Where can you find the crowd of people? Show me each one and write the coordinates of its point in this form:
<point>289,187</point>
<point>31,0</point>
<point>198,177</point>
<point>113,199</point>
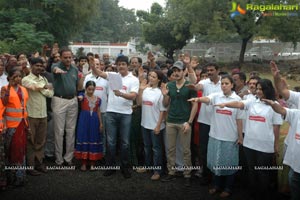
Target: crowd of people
<point>160,117</point>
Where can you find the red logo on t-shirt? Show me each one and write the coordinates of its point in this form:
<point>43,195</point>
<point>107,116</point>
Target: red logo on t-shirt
<point>99,88</point>
<point>257,118</point>
<point>224,112</point>
<point>297,136</point>
<point>124,87</point>
<point>147,103</point>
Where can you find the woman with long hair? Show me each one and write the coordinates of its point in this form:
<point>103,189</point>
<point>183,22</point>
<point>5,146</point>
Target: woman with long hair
<point>153,125</point>
<point>261,139</point>
<point>14,98</point>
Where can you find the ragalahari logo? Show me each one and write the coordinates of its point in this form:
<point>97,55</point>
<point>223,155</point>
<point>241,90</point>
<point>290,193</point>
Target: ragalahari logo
<point>236,10</point>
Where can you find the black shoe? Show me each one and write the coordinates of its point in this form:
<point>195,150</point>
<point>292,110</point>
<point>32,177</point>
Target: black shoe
<point>168,178</point>
<point>41,168</point>
<point>68,164</point>
<point>187,182</point>
<point>109,172</point>
<point>204,181</point>
<point>126,173</point>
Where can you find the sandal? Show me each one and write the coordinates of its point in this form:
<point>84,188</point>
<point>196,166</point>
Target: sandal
<point>225,194</point>
<point>212,191</point>
<point>83,168</point>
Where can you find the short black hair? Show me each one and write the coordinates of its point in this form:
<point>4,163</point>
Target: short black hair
<point>34,61</point>
<point>212,64</point>
<point>89,83</point>
<point>122,59</point>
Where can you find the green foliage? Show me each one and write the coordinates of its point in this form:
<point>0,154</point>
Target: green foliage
<point>164,29</point>
<point>26,25</point>
<point>80,52</point>
<point>112,23</point>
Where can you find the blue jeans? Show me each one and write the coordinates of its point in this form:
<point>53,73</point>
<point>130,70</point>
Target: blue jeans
<point>294,184</point>
<point>152,144</point>
<point>117,122</point>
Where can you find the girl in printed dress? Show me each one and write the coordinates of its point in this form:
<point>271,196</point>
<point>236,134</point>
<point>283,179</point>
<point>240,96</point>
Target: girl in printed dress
<point>89,146</point>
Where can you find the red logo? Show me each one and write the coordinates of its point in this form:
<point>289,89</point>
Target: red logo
<point>147,103</point>
<point>99,88</point>
<point>224,112</point>
<point>124,87</point>
<point>297,136</point>
<point>257,118</point>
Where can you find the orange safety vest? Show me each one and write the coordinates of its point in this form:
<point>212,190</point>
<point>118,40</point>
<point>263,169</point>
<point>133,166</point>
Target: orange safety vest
<point>15,111</point>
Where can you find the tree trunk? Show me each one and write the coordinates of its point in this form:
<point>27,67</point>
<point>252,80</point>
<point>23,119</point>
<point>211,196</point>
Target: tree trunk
<point>243,49</point>
<point>170,53</point>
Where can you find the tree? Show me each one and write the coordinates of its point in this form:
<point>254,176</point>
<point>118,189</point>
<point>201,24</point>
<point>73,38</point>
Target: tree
<point>112,23</point>
<point>211,21</point>
<point>19,34</point>
<point>164,29</point>
<point>62,19</point>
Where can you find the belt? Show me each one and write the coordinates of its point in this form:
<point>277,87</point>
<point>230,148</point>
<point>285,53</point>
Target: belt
<point>65,97</point>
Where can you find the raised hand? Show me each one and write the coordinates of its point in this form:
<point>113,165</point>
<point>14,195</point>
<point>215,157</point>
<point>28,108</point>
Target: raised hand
<point>164,89</point>
<point>186,59</point>
<point>191,86</point>
<point>274,69</point>
<point>143,84</point>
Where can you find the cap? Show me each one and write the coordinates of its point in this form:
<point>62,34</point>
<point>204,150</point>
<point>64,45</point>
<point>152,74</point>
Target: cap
<point>179,65</point>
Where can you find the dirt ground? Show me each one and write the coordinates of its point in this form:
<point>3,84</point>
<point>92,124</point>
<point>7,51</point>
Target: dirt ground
<point>74,184</point>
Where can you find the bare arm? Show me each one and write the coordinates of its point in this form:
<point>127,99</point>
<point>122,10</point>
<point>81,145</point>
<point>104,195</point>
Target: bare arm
<point>96,71</point>
<point>128,96</point>
<point>189,65</point>
<point>193,112</point>
<point>160,120</point>
<point>165,91</point>
<point>276,107</point>
<point>100,119</point>
<point>239,123</point>
<point>195,87</point>
<point>232,104</point>
<point>280,83</point>
<point>200,99</point>
<point>276,129</point>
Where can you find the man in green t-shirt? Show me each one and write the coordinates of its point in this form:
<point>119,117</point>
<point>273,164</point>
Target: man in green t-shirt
<point>181,114</point>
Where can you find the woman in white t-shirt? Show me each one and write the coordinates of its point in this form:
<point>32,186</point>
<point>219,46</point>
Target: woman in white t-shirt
<point>224,136</point>
<point>153,124</point>
<point>291,157</point>
<point>261,137</point>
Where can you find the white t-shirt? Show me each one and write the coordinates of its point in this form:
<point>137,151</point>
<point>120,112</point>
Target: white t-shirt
<point>223,120</point>
<point>292,153</point>
<point>119,104</point>
<point>249,97</point>
<point>101,90</point>
<point>293,102</point>
<point>209,87</point>
<point>152,105</point>
<point>259,132</point>
<point>3,80</point>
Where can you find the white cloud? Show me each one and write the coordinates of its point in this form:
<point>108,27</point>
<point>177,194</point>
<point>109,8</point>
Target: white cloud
<point>140,4</point>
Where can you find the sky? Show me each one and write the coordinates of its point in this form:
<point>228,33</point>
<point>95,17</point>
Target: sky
<point>140,4</point>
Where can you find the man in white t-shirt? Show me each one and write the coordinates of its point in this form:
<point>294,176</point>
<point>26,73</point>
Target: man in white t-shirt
<point>118,113</point>
<point>208,86</point>
<point>101,91</point>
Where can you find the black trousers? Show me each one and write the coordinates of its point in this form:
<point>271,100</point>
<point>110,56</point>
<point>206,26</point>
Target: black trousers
<point>204,135</point>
